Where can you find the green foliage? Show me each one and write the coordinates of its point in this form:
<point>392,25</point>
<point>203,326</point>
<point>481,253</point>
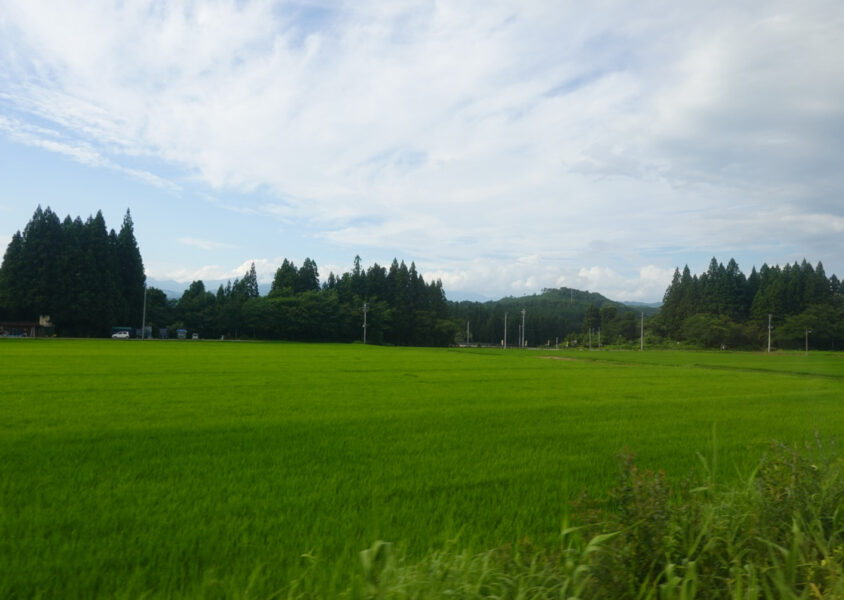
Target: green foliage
<point>777,535</point>
<point>714,331</point>
<point>403,309</point>
<point>722,307</point>
<point>824,322</point>
<point>555,313</point>
<point>160,310</point>
<point>86,278</point>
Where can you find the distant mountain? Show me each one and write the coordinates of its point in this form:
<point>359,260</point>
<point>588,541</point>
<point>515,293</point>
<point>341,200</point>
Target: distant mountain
<point>568,300</point>
<point>175,289</point>
<point>467,297</point>
<point>549,316</point>
<point>645,306</point>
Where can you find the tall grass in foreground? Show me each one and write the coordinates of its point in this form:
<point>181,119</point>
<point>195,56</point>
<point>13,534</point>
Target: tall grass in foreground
<point>780,534</point>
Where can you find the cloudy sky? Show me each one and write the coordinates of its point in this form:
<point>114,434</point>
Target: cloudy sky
<point>503,146</point>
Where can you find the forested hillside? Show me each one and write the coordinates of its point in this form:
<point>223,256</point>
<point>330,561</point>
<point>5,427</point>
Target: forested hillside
<point>562,313</point>
<point>724,307</point>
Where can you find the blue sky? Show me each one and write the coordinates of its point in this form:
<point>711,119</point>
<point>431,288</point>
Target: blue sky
<point>503,146</point>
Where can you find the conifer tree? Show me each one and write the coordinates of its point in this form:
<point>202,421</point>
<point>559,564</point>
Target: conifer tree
<point>284,282</point>
<point>307,279</point>
<point>130,273</point>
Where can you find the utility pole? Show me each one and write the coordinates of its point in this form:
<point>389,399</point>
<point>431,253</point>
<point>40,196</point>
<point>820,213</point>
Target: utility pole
<point>365,308</point>
<point>590,338</point>
<point>599,338</point>
<point>144,315</point>
<point>642,335</point>
<point>467,333</point>
<point>769,332</point>
<point>808,331</point>
<point>557,343</point>
<point>505,330</point>
<point>523,327</point>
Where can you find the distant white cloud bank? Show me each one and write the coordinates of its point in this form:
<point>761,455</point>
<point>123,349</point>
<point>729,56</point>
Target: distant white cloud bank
<point>505,146</point>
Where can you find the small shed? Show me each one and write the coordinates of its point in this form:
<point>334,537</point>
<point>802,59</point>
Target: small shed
<point>25,329</point>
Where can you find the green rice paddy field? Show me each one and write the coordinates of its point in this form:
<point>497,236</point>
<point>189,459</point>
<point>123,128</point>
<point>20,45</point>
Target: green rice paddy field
<point>180,468</point>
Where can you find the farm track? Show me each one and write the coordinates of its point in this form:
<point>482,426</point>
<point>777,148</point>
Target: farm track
<point>700,365</point>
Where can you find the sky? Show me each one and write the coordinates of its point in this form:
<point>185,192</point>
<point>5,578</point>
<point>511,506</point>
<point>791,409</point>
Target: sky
<point>504,147</point>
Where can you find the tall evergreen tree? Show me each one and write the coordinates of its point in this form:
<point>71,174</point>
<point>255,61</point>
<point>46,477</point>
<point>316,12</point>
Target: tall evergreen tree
<point>130,273</point>
<point>284,282</point>
<point>670,315</point>
<point>250,283</point>
<point>100,295</point>
<point>308,277</point>
<point>42,249</point>
<point>733,291</point>
<point>14,279</point>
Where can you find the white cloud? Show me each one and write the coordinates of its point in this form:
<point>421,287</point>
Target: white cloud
<point>265,269</point>
<point>79,151</point>
<point>527,275</point>
<point>649,284</point>
<point>467,136</point>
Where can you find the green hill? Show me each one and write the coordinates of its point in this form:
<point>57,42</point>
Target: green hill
<point>551,315</point>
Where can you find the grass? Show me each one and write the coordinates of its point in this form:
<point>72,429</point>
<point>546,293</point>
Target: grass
<point>202,468</point>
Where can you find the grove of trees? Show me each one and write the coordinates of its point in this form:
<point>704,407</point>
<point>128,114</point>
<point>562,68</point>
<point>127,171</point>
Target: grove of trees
<point>402,309</point>
<point>83,276</point>
<point>88,279</point>
<point>723,307</point>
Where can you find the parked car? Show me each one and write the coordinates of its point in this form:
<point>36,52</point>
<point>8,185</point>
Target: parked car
<point>120,335</point>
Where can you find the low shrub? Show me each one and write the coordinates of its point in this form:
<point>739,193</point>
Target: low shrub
<point>779,534</point>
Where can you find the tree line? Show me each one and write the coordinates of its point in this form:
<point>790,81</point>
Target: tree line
<point>83,276</point>
<point>88,279</point>
<point>401,308</point>
<point>724,308</point>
